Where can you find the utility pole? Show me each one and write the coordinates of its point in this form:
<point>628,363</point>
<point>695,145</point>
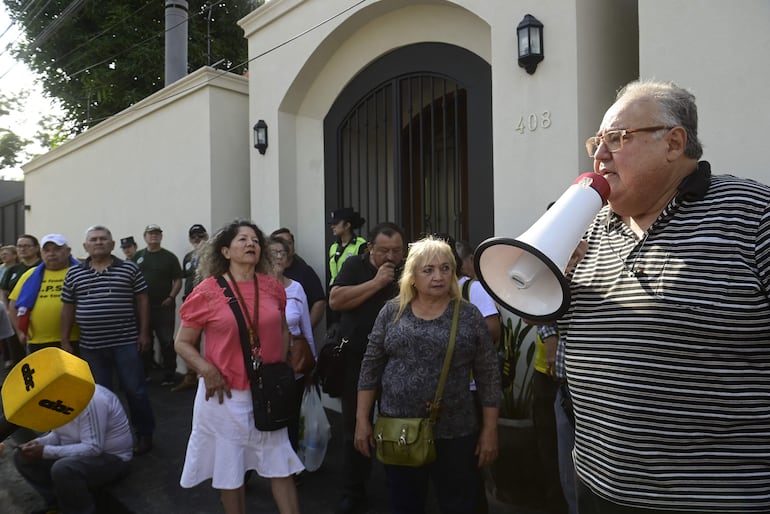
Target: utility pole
<point>176,40</point>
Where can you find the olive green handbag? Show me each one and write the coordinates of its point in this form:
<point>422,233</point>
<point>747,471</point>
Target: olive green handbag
<point>409,441</point>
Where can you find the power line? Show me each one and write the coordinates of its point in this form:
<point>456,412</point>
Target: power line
<point>13,22</point>
<point>125,50</point>
<point>133,108</point>
<point>47,32</point>
<point>114,56</point>
<point>103,32</point>
<point>57,21</point>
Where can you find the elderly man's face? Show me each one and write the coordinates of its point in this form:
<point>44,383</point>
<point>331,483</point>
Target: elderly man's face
<point>638,172</point>
<point>98,243</point>
<point>56,257</point>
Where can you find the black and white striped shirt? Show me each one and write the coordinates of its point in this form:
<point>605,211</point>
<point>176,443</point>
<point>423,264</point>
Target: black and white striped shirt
<point>668,352</point>
<point>105,302</point>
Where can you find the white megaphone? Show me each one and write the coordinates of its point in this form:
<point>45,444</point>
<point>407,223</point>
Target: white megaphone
<point>526,275</point>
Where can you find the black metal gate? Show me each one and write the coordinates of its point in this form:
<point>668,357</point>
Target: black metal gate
<point>398,143</point>
<point>408,135</point>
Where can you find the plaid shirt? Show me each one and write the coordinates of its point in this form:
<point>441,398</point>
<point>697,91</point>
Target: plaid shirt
<point>547,331</point>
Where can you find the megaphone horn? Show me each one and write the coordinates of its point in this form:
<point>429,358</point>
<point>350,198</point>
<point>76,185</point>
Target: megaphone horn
<point>526,275</point>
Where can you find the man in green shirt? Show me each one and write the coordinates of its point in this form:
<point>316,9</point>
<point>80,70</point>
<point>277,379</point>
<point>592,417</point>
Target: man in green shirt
<point>163,275</point>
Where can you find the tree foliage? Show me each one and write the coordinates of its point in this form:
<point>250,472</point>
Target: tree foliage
<point>98,58</point>
<point>11,144</point>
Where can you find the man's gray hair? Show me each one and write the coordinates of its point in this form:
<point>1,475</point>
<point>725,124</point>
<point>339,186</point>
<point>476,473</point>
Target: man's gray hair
<point>100,228</point>
<point>677,108</point>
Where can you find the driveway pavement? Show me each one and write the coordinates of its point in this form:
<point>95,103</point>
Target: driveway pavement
<point>153,485</point>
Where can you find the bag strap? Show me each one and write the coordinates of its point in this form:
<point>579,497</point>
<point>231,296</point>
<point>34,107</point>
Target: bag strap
<point>467,289</point>
<point>232,301</point>
<point>434,407</point>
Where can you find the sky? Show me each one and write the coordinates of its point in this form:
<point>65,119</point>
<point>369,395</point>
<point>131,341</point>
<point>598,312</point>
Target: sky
<point>15,78</point>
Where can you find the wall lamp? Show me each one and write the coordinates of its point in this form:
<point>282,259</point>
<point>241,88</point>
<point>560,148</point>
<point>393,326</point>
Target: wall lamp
<point>530,35</point>
<point>260,136</point>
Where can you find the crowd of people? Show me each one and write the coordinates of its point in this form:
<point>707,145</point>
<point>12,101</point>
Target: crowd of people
<point>651,391</point>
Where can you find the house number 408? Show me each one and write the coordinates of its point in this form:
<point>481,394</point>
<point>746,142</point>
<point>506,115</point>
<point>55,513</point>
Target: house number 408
<point>533,120</point>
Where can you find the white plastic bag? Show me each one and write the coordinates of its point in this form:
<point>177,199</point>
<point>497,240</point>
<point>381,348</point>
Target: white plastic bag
<point>314,430</point>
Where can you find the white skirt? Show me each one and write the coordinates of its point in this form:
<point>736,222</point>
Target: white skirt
<point>224,444</point>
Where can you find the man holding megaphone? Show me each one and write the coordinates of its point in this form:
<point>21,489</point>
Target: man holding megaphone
<point>668,326</point>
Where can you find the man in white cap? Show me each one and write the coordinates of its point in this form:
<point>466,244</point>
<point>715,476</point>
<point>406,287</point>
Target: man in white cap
<point>35,301</point>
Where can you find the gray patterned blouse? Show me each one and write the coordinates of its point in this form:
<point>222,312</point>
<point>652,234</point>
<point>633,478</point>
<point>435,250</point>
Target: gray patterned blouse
<point>405,359</point>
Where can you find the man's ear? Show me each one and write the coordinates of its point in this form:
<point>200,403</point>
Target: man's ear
<point>677,140</point>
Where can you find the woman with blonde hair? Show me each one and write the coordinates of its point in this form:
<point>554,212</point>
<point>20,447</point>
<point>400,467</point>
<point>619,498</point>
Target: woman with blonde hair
<point>403,361</point>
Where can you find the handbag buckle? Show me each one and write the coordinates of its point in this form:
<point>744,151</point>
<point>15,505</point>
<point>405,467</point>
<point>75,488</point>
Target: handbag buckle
<point>402,437</point>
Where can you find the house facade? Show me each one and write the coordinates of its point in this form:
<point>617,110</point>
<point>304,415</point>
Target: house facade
<point>413,111</point>
<point>418,112</point>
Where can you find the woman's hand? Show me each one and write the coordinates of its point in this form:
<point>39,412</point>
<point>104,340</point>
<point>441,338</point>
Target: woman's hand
<point>364,439</point>
<point>486,448</point>
<point>215,383</point>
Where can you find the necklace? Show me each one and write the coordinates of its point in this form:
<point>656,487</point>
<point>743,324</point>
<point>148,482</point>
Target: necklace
<point>631,271</point>
<point>252,324</point>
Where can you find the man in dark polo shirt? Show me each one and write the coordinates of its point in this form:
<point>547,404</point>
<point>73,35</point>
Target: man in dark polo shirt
<point>163,275</point>
<point>108,297</point>
<point>359,291</point>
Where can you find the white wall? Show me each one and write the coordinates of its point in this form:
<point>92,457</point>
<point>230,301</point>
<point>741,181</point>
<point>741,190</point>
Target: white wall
<point>293,87</point>
<point>718,50</point>
<point>178,157</point>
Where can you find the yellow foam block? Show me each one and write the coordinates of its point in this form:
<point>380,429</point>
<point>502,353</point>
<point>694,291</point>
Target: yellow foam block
<point>47,389</point>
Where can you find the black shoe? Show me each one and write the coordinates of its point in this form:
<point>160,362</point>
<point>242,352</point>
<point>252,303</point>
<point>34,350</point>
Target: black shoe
<point>168,380</point>
<point>143,445</point>
<point>351,505</point>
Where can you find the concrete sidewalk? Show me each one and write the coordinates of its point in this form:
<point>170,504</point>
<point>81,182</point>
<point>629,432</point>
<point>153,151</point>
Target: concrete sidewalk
<point>153,485</point>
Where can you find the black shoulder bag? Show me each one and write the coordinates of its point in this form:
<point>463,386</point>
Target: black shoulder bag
<point>272,385</point>
<point>330,369</point>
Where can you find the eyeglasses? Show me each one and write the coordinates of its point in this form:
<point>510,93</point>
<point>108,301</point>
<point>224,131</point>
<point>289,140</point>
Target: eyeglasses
<point>279,253</point>
<point>613,139</point>
<point>388,251</point>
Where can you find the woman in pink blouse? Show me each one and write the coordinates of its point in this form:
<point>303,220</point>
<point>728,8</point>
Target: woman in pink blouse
<point>224,443</point>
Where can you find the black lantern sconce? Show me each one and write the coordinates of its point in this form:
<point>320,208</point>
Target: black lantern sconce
<point>530,35</point>
<point>260,136</point>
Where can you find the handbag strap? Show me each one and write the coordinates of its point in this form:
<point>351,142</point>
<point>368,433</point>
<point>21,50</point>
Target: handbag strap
<point>434,407</point>
<point>248,356</point>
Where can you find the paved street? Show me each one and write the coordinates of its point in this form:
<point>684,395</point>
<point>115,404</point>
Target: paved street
<point>153,485</point>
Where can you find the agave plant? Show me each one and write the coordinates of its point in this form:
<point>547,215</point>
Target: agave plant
<point>517,394</point>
